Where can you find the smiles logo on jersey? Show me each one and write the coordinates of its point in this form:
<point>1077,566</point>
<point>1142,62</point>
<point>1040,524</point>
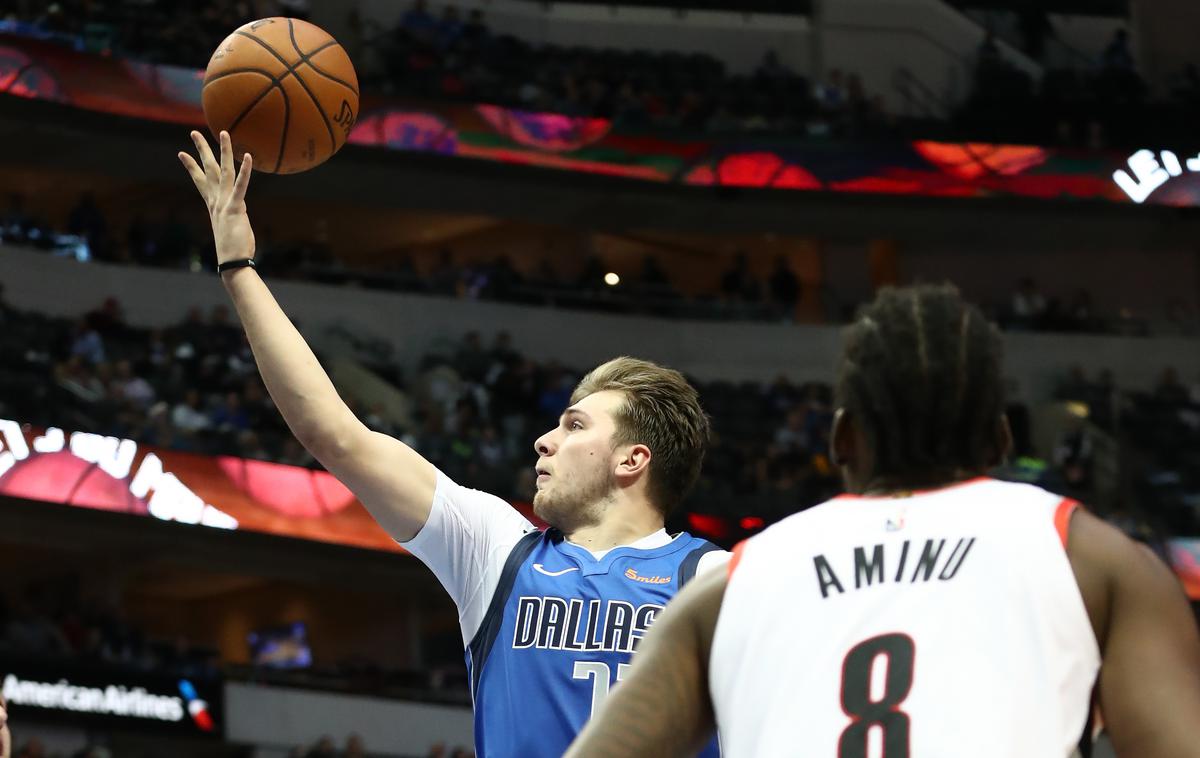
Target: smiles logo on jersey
<point>635,576</point>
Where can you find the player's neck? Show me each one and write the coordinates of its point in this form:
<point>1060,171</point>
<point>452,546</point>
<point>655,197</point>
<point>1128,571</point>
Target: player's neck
<point>887,486</point>
<point>618,527</point>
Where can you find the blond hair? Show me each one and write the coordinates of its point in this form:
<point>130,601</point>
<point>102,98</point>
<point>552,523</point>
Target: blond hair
<point>661,411</point>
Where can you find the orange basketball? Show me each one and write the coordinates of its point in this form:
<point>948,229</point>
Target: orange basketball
<point>285,91</point>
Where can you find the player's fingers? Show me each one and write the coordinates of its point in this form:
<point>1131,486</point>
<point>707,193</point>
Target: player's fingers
<point>5,743</point>
<point>196,173</point>
<point>226,160</point>
<point>243,179</point>
<point>211,170</point>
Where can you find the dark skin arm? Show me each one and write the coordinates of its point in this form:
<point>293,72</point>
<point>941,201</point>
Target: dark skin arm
<point>663,708</point>
<point>1150,677</point>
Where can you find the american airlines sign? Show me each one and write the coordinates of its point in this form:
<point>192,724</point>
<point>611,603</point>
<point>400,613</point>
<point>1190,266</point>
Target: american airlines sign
<point>95,696</point>
<point>113,700</point>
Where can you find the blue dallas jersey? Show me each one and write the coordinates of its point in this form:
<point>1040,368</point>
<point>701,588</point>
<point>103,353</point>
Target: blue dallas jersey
<point>560,632</point>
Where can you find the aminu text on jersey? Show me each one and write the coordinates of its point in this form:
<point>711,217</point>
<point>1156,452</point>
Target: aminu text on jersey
<point>876,568</point>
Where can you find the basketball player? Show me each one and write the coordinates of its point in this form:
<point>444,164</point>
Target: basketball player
<point>549,620</point>
<point>934,612</point>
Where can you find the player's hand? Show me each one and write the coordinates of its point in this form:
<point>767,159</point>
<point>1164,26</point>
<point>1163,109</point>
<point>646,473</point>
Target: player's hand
<point>225,195</point>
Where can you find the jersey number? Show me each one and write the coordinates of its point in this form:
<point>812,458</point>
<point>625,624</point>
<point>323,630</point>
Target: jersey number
<point>601,677</point>
<point>884,711</point>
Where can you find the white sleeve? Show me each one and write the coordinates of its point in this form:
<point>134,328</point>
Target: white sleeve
<point>711,560</point>
<point>465,542</point>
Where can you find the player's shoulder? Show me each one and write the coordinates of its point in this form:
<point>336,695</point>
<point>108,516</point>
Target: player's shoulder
<point>1007,498</point>
<point>452,493</point>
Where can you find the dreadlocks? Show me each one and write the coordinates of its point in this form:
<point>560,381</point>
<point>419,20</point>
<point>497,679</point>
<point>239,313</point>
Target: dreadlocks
<point>921,374</point>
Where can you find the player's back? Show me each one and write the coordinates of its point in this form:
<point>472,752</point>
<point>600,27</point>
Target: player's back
<point>941,624</point>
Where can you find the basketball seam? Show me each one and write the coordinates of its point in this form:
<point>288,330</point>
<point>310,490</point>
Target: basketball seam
<point>243,70</point>
<point>251,106</point>
<point>304,59</point>
<point>291,69</point>
<point>330,76</point>
<point>287,112</point>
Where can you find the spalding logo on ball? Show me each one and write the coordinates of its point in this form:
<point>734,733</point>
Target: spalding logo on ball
<point>285,91</point>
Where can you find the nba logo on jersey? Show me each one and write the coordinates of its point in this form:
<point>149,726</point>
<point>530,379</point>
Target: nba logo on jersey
<point>560,632</point>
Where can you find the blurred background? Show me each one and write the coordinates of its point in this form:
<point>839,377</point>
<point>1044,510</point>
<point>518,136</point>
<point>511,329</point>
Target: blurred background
<point>533,188</point>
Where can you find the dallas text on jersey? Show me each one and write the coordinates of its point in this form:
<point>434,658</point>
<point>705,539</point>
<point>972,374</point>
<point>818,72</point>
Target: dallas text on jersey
<point>873,568</point>
<point>555,623</point>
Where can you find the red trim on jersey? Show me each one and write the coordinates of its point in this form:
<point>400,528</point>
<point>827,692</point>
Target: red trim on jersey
<point>956,485</point>
<point>1062,518</point>
<point>738,549</point>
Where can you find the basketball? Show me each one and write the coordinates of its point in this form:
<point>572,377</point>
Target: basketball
<point>286,92</point>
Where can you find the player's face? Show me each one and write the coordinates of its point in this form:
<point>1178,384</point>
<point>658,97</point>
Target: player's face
<point>577,463</point>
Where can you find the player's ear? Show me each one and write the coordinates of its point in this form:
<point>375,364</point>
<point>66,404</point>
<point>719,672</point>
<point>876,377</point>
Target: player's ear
<point>841,439</point>
<point>634,460</point>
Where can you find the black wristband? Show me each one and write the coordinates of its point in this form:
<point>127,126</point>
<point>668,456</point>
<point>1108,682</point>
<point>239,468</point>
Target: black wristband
<point>239,263</point>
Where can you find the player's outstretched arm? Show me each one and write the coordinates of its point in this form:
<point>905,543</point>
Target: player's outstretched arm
<point>663,708</point>
<point>394,482</point>
<point>1150,677</point>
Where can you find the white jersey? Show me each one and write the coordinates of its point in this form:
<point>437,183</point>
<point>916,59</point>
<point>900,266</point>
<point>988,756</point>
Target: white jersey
<point>937,625</point>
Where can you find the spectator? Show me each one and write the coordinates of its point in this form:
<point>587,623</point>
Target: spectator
<point>16,223</point>
<point>652,273</point>
<point>88,222</point>
<point>792,435</point>
<point>1180,320</point>
<point>78,378</point>
<point>444,279</point>
<point>230,416</point>
<point>831,95</point>
<point>785,289</point>
<point>1035,27</point>
<point>1074,386</point>
<point>354,747</point>
<point>1170,391</point>
<point>470,360</point>
<point>323,749</point>
<point>475,31</point>
<point>1028,306</point>
<point>418,21</point>
<point>502,354</point>
<point>189,417</point>
<point>1117,56</point>
<point>738,284</point>
<point>770,68</point>
<point>1080,314</point>
<point>131,387</point>
<point>1073,457</point>
<point>87,343</point>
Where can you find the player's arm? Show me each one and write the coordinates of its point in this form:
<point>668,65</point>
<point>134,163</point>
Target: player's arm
<point>5,734</point>
<point>1150,677</point>
<point>663,708</point>
<point>393,481</point>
